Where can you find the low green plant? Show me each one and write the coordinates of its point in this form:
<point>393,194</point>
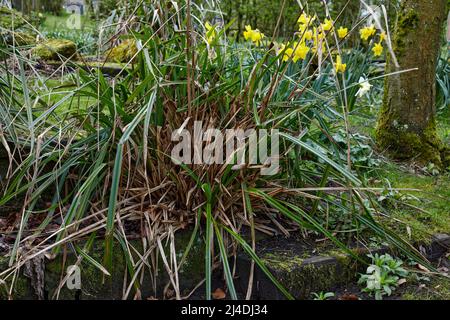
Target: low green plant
<point>443,84</point>
<point>431,169</point>
<point>322,295</point>
<point>361,152</point>
<point>382,276</point>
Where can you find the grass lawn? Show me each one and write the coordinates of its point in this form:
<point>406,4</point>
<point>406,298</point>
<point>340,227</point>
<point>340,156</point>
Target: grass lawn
<point>426,212</point>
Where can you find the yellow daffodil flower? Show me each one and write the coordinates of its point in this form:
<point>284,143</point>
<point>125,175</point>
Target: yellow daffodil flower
<point>327,25</point>
<point>305,19</point>
<point>254,35</point>
<point>367,32</point>
<point>319,41</point>
<point>257,36</point>
<point>318,34</point>
<point>342,32</point>
<point>248,32</point>
<point>302,27</point>
<point>298,51</point>
<point>306,34</point>
<point>288,54</point>
<point>208,26</point>
<point>340,67</point>
<point>301,50</point>
<point>377,50</point>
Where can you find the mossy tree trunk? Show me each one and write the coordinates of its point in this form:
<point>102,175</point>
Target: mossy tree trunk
<point>407,125</point>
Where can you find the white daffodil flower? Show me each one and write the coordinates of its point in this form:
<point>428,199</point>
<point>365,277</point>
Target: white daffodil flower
<point>364,87</point>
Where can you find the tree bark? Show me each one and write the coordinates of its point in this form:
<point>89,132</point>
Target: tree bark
<point>407,125</point>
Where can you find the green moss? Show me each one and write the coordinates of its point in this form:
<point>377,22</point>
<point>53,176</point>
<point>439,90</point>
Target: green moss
<point>282,262</point>
<point>403,144</point>
<point>94,283</point>
<point>20,39</point>
<point>22,286</point>
<point>342,258</point>
<point>437,289</point>
<point>111,65</point>
<point>301,278</point>
<point>407,20</point>
<point>123,53</point>
<point>52,91</point>
<point>11,19</point>
<point>194,265</point>
<point>54,49</point>
<point>433,201</point>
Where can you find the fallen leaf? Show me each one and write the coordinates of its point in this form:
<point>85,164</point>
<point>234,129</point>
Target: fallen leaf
<point>349,297</point>
<point>219,294</point>
<point>401,281</point>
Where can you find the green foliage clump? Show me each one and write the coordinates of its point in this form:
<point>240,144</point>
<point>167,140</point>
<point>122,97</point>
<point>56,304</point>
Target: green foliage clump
<point>361,152</point>
<point>382,276</point>
<point>11,19</point>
